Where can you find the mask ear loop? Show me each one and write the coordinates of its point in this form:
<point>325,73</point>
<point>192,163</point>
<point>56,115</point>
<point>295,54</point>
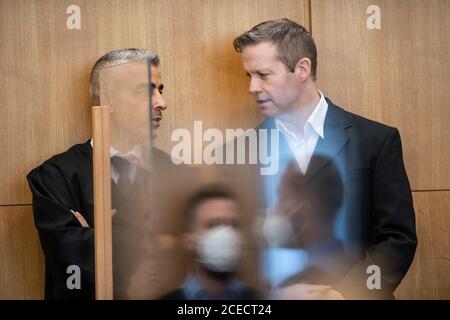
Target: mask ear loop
<point>292,212</point>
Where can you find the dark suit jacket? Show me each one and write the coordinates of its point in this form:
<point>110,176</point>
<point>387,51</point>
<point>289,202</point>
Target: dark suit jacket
<point>376,208</point>
<point>64,183</point>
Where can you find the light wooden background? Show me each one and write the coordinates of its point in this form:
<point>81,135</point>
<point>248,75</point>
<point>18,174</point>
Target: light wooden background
<point>398,75</point>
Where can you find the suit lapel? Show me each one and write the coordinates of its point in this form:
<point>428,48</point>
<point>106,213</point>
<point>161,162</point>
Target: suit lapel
<point>336,137</point>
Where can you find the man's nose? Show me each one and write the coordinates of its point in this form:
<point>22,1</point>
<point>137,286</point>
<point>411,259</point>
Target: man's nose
<point>158,101</point>
<point>254,87</point>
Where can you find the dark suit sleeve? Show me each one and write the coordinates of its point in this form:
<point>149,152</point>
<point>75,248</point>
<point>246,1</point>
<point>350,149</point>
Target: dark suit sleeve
<point>64,242</point>
<point>393,234</point>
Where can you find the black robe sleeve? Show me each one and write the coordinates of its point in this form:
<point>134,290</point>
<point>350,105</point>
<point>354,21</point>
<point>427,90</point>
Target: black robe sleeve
<point>64,241</point>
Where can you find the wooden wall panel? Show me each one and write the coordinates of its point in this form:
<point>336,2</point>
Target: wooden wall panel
<point>22,261</point>
<point>398,75</point>
<point>429,275</point>
<point>45,69</point>
<point>44,93</point>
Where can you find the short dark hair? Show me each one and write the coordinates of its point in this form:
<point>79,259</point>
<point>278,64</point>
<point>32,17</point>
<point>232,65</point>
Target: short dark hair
<point>207,192</point>
<point>293,42</point>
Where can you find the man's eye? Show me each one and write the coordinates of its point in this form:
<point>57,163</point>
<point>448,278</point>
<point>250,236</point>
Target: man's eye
<point>142,91</point>
<point>263,75</point>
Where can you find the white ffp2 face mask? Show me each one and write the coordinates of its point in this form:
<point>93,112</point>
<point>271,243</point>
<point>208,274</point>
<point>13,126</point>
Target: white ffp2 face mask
<point>219,249</point>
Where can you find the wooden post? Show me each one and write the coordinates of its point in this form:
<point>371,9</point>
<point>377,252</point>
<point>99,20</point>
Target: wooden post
<point>102,203</point>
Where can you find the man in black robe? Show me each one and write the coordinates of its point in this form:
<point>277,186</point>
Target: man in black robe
<point>62,190</point>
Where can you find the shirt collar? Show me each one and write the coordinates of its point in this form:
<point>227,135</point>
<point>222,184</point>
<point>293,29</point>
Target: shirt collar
<point>316,120</point>
<point>134,155</point>
<point>192,287</point>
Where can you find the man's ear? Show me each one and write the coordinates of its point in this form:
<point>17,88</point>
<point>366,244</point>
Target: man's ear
<point>303,69</point>
<point>105,98</point>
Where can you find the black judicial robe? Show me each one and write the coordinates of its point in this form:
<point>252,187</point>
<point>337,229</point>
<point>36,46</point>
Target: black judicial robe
<point>64,183</point>
<point>60,184</point>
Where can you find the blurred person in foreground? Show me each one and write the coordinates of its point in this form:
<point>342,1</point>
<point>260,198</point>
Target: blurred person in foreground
<point>213,240</point>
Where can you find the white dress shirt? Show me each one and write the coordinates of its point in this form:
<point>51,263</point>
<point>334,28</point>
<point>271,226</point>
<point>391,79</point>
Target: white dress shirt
<point>303,148</point>
<point>134,156</point>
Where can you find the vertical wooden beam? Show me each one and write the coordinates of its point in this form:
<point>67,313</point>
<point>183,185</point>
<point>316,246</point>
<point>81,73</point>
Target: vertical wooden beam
<point>102,203</point>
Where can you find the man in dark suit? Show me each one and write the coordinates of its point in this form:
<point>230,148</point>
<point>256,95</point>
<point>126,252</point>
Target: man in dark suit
<point>62,186</point>
<point>375,217</point>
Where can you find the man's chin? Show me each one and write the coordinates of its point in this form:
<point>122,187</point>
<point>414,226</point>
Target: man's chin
<point>267,111</point>
<point>269,114</point>
<point>154,132</point>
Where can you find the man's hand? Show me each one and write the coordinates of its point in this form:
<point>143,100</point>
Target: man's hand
<point>83,221</point>
<point>303,291</point>
<point>80,219</point>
